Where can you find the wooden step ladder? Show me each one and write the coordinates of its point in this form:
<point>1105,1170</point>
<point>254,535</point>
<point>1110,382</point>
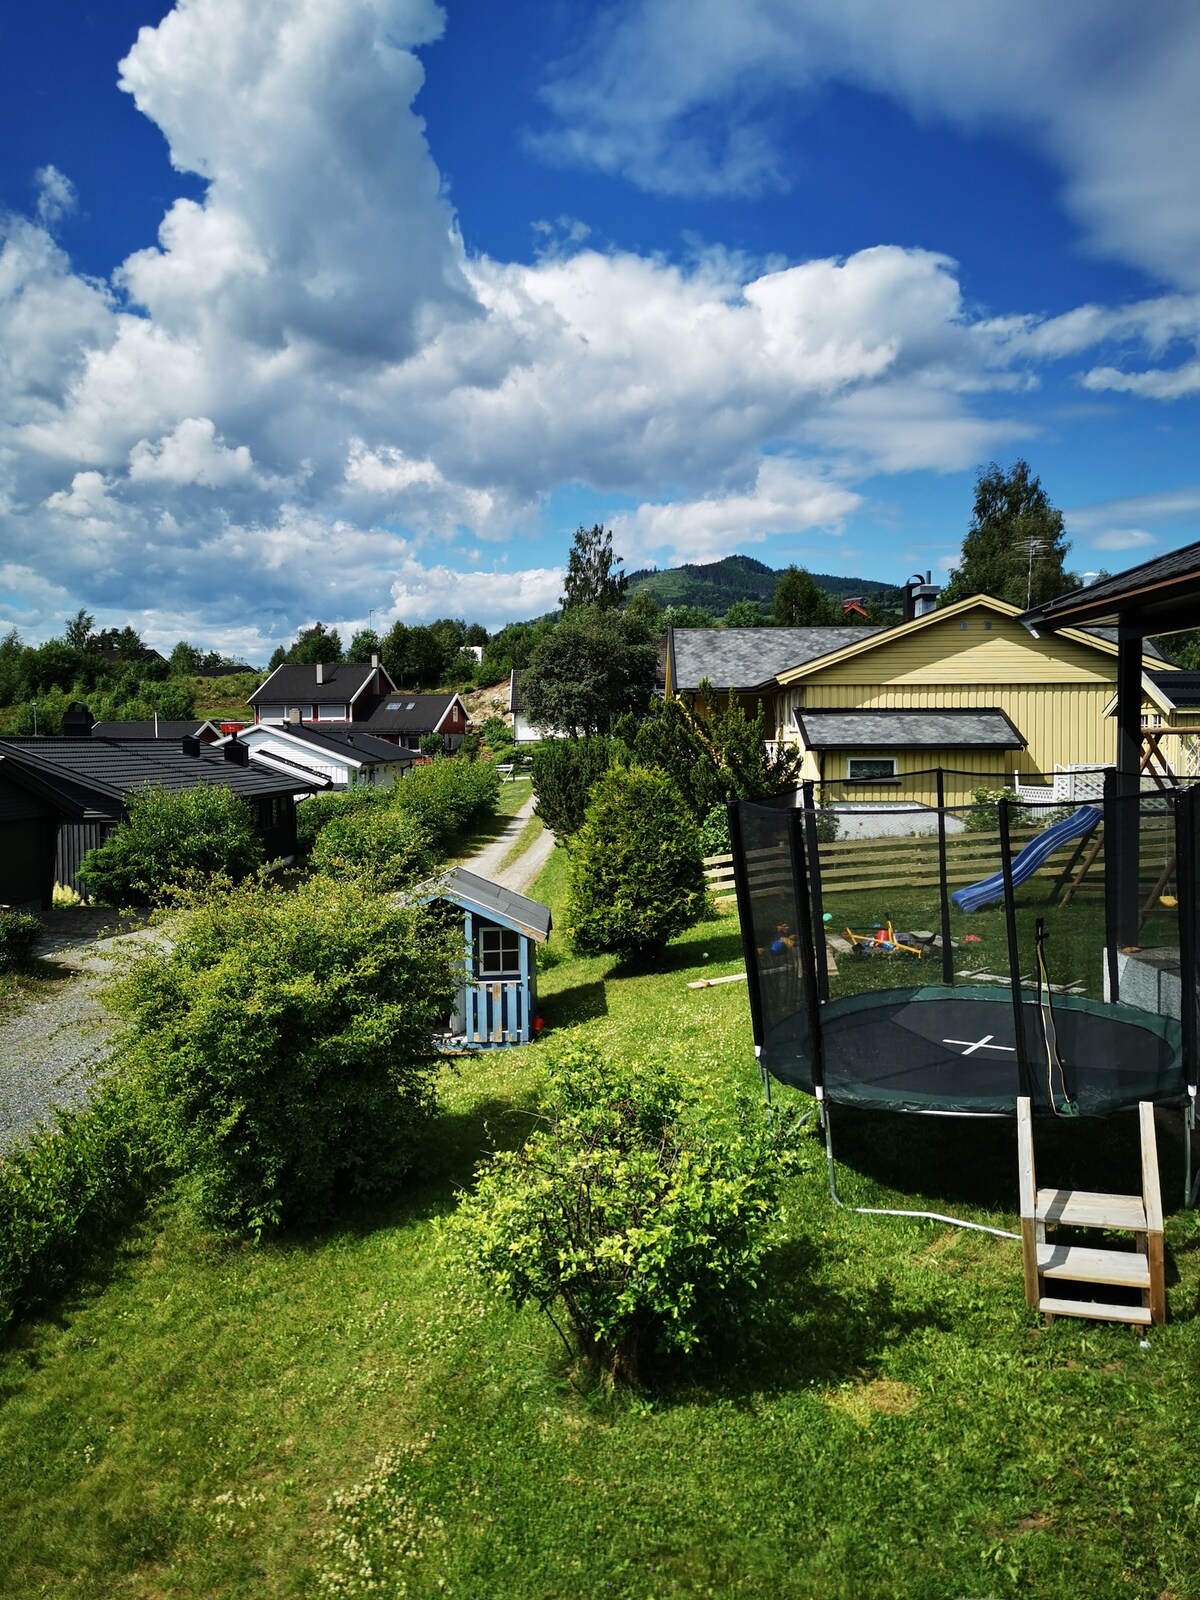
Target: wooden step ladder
<point>1049,1261</point>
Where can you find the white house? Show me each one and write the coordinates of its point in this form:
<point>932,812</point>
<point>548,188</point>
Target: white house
<point>344,757</point>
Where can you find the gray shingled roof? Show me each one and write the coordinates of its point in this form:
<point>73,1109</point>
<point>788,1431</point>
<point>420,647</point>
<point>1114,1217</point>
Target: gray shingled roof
<point>292,684</point>
<point>907,730</point>
<point>747,658</point>
<point>403,712</point>
<point>102,772</point>
<point>1181,688</point>
<point>515,910</point>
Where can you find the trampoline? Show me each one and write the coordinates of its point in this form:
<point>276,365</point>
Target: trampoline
<point>1090,1000</point>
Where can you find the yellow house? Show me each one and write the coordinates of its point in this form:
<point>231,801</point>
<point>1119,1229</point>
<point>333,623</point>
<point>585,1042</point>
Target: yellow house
<point>965,688</point>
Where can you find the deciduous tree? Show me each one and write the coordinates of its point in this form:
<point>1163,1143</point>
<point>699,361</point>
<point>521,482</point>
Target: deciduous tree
<point>594,666</point>
<point>1014,549</point>
<point>591,579</point>
<point>799,603</point>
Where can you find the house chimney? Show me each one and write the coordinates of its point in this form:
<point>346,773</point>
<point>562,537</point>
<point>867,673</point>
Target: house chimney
<point>237,752</point>
<point>320,672</point>
<point>375,658</point>
<point>190,745</point>
<point>920,596</point>
<point>78,721</point>
<point>294,717</point>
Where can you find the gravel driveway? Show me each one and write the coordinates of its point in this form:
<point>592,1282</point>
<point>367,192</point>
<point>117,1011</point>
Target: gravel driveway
<point>50,1051</point>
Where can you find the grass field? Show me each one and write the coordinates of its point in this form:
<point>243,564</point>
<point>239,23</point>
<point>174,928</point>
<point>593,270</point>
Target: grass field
<point>210,1419</point>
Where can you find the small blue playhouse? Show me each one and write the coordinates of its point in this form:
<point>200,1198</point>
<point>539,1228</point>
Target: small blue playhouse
<point>496,1003</point>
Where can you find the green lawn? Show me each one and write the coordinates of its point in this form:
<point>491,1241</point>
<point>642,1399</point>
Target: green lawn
<point>213,1419</point>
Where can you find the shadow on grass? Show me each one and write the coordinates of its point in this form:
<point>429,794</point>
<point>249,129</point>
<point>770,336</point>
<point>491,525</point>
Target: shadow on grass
<point>677,957</point>
<point>972,1161</point>
<point>799,1331</point>
<point>583,1002</point>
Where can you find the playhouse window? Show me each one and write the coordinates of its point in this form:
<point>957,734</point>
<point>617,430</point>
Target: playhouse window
<point>498,953</point>
<point>874,767</point>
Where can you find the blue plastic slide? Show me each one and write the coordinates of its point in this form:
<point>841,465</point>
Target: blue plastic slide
<point>1026,862</point>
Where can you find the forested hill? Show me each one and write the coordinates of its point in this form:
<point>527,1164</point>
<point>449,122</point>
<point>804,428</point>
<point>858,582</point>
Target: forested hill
<point>715,585</point>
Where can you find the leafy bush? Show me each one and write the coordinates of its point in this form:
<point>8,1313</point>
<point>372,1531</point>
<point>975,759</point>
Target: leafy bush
<point>312,814</point>
<point>383,846</point>
<point>629,1216</point>
<point>449,796</point>
<point>714,833</point>
<point>564,772</point>
<point>172,840</point>
<point>983,818</point>
<point>20,935</point>
<point>64,1191</point>
<point>284,1040</point>
<point>637,876</point>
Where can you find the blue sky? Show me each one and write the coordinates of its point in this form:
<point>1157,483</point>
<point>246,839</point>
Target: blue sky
<point>312,309</point>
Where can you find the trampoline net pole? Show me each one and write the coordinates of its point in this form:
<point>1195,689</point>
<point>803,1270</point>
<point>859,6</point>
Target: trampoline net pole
<point>1025,1086</point>
<point>943,887</point>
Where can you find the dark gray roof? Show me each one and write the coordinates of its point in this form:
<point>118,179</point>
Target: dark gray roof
<point>175,730</point>
<point>1149,648</point>
<point>505,905</point>
<point>292,684</point>
<point>1158,596</point>
<point>906,730</point>
<point>354,740</point>
<point>749,658</point>
<point>404,712</point>
<point>100,773</point>
<point>1181,688</point>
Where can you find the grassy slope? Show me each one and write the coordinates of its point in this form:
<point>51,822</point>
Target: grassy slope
<point>899,1425</point>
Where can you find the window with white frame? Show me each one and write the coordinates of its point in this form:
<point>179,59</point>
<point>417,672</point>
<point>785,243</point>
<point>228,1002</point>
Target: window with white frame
<point>867,767</point>
<point>497,953</point>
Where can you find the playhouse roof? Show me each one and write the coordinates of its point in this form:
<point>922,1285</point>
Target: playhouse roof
<point>505,906</point>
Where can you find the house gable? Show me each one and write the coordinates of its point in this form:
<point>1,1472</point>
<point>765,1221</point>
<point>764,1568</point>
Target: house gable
<point>977,641</point>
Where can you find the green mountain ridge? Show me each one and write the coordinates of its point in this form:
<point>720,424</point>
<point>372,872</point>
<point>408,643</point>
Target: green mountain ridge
<point>716,585</point>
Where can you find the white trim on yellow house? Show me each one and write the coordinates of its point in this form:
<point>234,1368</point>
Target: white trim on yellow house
<point>972,655</point>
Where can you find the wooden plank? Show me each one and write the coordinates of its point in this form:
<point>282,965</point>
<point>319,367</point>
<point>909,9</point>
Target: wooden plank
<point>1128,1268</point>
<point>1094,1311</point>
<point>711,983</point>
<point>1079,1208</point>
<point>1028,1192</point>
<point>1151,1190</point>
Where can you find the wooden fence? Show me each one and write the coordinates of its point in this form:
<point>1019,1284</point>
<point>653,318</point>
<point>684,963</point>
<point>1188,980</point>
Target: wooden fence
<point>853,865</point>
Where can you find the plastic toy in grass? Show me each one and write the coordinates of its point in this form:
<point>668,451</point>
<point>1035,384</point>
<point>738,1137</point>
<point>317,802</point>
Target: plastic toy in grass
<point>883,940</point>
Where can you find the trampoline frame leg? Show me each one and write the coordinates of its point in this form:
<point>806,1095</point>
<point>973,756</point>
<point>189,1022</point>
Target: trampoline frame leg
<point>1191,1187</point>
<point>888,1211</point>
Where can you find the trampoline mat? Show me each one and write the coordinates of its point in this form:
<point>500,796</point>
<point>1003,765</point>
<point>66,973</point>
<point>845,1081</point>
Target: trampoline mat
<point>953,1050</point>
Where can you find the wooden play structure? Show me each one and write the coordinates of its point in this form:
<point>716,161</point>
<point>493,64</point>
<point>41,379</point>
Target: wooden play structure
<point>1051,1260</point>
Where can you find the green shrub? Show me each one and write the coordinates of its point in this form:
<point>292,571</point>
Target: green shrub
<point>383,846</point>
<point>564,774</point>
<point>984,818</point>
<point>635,1223</point>
<point>284,1040</point>
<point>449,796</point>
<point>63,1192</point>
<point>637,876</point>
<point>312,814</point>
<point>714,832</point>
<point>171,840</point>
<point>20,935</point>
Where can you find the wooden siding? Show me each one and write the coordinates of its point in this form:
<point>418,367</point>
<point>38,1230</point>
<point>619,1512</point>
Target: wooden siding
<point>1062,723</point>
<point>947,652</point>
<point>75,839</point>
